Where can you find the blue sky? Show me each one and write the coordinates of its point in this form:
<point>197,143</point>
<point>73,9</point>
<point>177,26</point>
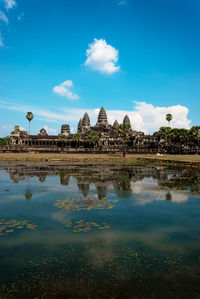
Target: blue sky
<point>61,58</point>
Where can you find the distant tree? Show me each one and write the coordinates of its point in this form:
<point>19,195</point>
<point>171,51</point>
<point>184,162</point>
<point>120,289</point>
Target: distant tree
<point>124,132</point>
<point>195,133</point>
<point>93,137</point>
<point>4,141</point>
<point>76,138</point>
<point>62,136</point>
<point>29,116</point>
<point>169,118</point>
<point>165,132</point>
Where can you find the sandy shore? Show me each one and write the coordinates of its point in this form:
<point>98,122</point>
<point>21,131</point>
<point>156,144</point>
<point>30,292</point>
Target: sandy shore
<point>103,158</point>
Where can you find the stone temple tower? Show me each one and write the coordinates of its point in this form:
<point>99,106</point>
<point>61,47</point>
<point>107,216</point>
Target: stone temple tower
<point>80,125</point>
<point>86,122</point>
<point>65,130</point>
<point>115,125</point>
<point>102,117</point>
<point>126,120</point>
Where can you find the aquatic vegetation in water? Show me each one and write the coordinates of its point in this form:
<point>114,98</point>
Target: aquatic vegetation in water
<point>85,227</point>
<point>85,203</point>
<point>9,226</point>
<point>143,273</point>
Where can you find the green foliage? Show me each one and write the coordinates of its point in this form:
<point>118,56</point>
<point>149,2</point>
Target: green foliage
<point>29,116</point>
<point>124,131</point>
<point>62,136</point>
<point>93,137</point>
<point>180,135</point>
<point>4,141</point>
<point>76,137</point>
<point>164,132</point>
<point>169,117</point>
<point>195,133</point>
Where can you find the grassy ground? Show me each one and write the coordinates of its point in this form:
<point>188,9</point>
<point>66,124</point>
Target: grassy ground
<point>102,158</point>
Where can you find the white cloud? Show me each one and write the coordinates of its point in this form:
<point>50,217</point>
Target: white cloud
<point>50,130</point>
<point>3,17</point>
<point>64,90</point>
<point>102,57</point>
<point>148,118</point>
<point>9,4</point>
<point>122,3</point>
<point>144,117</point>
<point>148,190</point>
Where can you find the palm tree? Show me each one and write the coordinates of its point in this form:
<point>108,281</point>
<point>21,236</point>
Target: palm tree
<point>165,132</point>
<point>76,138</point>
<point>93,137</point>
<point>195,133</point>
<point>169,118</point>
<point>29,116</point>
<point>124,132</point>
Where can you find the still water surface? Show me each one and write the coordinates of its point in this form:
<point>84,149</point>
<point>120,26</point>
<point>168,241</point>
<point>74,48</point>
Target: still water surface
<point>99,232</point>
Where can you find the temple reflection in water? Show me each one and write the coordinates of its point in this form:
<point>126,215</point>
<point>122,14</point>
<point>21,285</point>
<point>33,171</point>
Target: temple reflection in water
<point>123,180</point>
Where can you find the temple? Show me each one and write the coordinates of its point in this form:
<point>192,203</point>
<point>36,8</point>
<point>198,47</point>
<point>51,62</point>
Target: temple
<point>108,140</point>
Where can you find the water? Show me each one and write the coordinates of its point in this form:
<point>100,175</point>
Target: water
<point>99,232</point>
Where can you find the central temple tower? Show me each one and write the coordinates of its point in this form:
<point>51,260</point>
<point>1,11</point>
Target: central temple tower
<point>102,117</point>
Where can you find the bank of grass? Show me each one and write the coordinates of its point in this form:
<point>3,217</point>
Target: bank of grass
<point>130,159</point>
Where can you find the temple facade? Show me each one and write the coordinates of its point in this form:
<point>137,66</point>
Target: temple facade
<point>108,141</point>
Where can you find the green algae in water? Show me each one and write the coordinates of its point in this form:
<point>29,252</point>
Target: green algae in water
<point>85,226</point>
<point>85,203</point>
<point>72,274</point>
<point>9,226</point>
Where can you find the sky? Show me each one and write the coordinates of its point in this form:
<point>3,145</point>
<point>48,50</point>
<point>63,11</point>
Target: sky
<point>60,58</point>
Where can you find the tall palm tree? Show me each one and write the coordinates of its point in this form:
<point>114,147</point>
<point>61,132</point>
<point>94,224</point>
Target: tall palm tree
<point>76,138</point>
<point>169,118</point>
<point>124,132</point>
<point>29,116</point>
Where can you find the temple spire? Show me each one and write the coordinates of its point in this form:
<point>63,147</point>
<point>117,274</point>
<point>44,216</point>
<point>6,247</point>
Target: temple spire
<point>116,124</point>
<point>80,125</point>
<point>126,120</point>
<point>86,121</point>
<point>102,117</point>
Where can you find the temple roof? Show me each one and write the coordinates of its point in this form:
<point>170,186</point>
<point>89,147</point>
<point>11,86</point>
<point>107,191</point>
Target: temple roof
<point>86,120</point>
<point>102,117</point>
<point>116,124</point>
<point>126,120</point>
